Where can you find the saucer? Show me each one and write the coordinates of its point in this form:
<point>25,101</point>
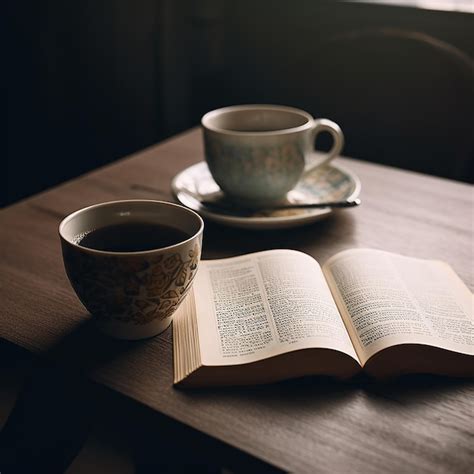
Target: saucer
<point>328,183</point>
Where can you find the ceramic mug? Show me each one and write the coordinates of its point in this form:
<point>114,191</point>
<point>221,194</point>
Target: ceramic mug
<point>257,153</point>
<point>132,295</point>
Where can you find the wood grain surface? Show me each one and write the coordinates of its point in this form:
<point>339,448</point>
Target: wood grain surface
<point>414,424</point>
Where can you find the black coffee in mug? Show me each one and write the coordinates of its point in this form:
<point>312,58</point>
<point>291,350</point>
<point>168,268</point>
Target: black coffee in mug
<point>131,237</point>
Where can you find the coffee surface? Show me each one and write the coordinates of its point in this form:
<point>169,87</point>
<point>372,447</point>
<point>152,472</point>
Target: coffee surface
<point>131,237</point>
<point>250,129</point>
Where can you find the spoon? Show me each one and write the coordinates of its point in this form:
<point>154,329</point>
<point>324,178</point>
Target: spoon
<point>194,202</point>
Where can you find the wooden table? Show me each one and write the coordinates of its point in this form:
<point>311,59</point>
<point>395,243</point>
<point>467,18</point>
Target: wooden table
<point>417,424</point>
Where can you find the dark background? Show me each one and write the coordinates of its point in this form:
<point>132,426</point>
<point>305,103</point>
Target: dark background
<point>89,82</point>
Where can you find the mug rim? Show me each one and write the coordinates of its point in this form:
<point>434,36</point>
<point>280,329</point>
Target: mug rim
<point>74,214</point>
<point>236,108</point>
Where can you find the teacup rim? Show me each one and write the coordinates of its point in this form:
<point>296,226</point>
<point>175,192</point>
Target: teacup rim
<point>128,254</point>
<point>231,108</point>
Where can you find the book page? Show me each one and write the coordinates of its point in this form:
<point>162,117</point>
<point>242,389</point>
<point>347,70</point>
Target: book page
<point>264,304</point>
<point>391,299</point>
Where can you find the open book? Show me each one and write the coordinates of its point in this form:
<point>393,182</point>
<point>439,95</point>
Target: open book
<point>277,314</point>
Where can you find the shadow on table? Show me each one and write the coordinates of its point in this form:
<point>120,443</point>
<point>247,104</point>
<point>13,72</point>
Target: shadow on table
<point>58,405</point>
<point>323,393</point>
<point>227,241</point>
<point>86,349</point>
<point>414,389</point>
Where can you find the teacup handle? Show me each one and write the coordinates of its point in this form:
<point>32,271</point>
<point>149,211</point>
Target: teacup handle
<point>325,125</point>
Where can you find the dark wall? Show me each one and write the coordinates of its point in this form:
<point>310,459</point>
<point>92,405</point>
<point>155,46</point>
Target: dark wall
<point>83,87</point>
<point>89,82</point>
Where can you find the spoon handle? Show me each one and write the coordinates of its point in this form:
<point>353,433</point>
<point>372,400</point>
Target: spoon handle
<point>305,205</point>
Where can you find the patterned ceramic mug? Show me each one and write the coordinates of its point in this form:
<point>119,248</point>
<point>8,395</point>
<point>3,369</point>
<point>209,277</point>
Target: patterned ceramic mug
<point>132,295</point>
<point>257,153</point>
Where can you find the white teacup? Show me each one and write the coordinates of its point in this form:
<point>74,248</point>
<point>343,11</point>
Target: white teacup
<point>257,153</point>
<point>132,294</point>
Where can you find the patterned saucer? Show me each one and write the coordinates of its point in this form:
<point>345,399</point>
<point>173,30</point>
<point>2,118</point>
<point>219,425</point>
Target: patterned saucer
<point>328,183</point>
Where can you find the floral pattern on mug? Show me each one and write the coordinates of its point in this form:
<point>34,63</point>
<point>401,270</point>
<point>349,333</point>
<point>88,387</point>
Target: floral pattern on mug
<point>263,172</point>
<point>132,289</point>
